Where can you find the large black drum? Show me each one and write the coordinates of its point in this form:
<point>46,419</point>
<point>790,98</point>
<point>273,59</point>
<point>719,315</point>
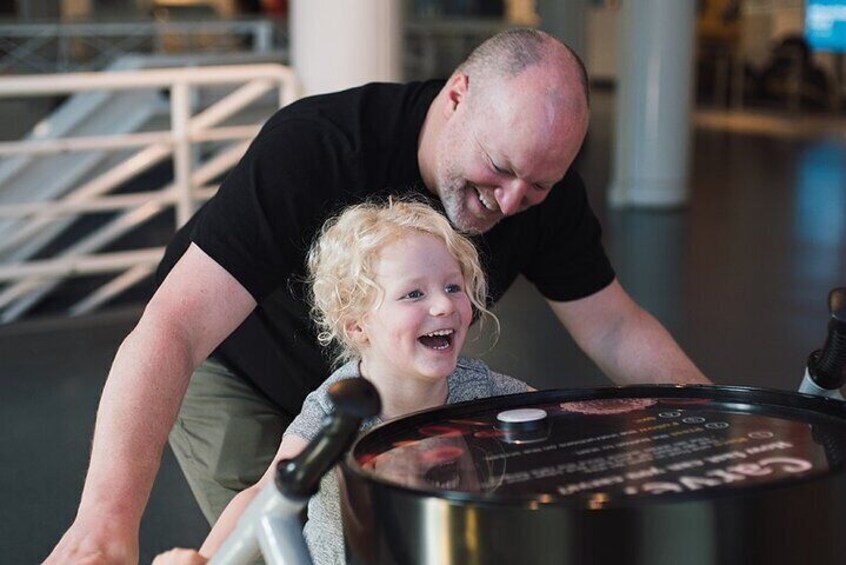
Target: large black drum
<point>643,475</point>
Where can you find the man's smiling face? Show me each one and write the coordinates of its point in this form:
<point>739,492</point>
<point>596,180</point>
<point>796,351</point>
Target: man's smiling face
<point>501,151</point>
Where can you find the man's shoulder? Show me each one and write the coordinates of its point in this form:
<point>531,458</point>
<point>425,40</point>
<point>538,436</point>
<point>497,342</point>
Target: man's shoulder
<point>368,98</point>
<point>375,117</point>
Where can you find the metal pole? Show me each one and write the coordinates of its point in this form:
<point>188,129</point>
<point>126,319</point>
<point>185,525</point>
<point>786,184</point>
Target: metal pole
<point>263,36</point>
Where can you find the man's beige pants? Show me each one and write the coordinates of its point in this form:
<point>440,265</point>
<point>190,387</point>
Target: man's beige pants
<point>225,436</point>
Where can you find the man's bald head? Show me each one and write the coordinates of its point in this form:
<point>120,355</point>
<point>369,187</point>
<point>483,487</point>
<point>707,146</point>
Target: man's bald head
<point>511,52</point>
<point>505,128</point>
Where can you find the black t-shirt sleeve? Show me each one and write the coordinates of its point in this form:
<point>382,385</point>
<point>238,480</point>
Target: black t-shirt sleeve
<point>257,225</point>
<point>569,262</point>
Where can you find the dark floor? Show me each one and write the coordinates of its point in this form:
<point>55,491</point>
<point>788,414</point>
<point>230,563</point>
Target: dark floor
<point>740,278</point>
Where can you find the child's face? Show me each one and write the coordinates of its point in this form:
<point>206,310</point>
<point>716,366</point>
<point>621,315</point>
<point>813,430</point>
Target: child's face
<point>419,327</point>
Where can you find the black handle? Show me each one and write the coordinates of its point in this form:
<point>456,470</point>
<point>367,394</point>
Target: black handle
<point>354,400</point>
<point>827,366</point>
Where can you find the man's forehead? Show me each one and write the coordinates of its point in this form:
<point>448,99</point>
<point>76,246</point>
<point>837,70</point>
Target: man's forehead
<point>531,144</point>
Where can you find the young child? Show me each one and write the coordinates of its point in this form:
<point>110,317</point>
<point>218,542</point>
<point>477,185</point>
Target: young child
<point>394,288</point>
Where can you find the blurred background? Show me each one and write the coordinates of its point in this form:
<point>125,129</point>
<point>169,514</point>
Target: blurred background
<point>716,162</point>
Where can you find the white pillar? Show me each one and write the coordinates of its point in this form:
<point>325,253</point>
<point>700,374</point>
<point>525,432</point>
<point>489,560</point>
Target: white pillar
<point>337,44</point>
<point>654,89</point>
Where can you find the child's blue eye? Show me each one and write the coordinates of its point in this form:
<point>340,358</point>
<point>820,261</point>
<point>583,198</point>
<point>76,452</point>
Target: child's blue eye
<point>414,294</point>
<point>453,288</point>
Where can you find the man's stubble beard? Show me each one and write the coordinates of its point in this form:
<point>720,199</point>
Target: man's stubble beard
<point>453,191</point>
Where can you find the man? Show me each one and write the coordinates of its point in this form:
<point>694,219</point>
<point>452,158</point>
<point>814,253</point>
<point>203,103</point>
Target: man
<point>492,146</point>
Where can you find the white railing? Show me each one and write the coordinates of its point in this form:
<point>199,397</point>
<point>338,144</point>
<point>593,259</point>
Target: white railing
<point>27,281</point>
<point>68,46</point>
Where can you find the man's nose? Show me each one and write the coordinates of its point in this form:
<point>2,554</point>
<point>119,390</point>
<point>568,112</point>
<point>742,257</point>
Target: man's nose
<point>511,196</point>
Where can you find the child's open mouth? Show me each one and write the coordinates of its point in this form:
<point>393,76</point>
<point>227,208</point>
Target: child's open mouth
<point>440,339</point>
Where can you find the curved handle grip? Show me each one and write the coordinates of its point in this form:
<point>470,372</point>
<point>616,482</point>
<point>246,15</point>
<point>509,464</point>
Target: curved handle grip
<point>354,400</point>
<point>827,366</point>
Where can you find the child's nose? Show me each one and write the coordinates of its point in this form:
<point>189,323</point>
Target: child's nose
<point>441,304</point>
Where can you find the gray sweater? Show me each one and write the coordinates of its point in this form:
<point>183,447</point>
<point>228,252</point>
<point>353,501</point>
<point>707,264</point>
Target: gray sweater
<point>323,531</point>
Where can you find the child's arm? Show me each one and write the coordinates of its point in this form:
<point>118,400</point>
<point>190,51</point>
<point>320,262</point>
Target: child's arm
<point>290,447</point>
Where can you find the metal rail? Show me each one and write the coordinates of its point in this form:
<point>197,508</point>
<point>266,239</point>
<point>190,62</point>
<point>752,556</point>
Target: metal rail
<point>27,280</point>
<point>62,47</point>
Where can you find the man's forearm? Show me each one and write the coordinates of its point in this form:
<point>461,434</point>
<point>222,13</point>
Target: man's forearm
<point>625,341</point>
<point>641,350</point>
<point>140,401</point>
<point>193,310</point>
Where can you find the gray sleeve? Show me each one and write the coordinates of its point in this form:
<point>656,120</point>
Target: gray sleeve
<point>324,529</point>
<point>310,419</point>
<point>503,384</point>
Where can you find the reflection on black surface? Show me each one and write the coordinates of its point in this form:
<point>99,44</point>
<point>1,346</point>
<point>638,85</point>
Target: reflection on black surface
<point>443,463</point>
<point>444,475</point>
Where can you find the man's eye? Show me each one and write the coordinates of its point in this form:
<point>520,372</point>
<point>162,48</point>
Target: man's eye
<point>497,169</point>
<point>453,288</point>
<point>413,294</point>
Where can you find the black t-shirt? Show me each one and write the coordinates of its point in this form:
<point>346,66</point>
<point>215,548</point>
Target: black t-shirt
<point>321,154</point>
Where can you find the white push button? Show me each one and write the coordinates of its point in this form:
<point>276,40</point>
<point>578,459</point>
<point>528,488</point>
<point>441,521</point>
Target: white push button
<point>521,416</point>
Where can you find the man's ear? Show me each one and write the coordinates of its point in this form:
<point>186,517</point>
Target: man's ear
<point>456,92</point>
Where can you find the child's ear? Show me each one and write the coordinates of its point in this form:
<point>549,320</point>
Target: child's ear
<point>356,332</point>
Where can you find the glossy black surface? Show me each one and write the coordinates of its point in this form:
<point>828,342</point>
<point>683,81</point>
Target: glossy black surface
<point>610,447</point>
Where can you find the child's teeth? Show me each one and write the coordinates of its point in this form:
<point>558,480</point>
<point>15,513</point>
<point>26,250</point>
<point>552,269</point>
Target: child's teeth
<point>439,332</point>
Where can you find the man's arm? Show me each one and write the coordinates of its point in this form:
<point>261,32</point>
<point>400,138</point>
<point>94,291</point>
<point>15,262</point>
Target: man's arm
<point>625,341</point>
<point>196,307</point>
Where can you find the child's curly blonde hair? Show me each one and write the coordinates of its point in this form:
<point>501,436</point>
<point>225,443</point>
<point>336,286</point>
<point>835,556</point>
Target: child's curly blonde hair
<point>340,264</point>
